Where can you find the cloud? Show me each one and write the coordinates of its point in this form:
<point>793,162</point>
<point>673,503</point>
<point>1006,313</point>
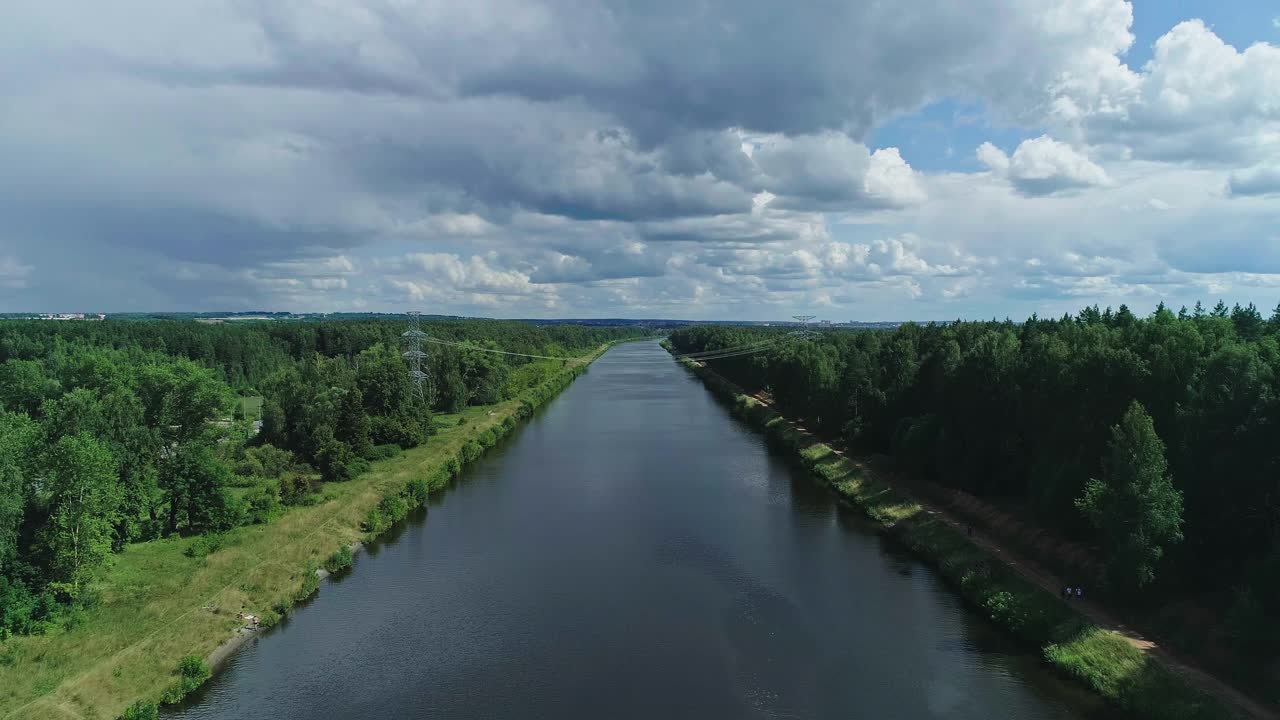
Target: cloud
<point>891,180</point>
<point>632,61</point>
<point>1043,166</point>
<point>717,158</point>
<point>993,157</point>
<point>831,171</point>
<point>1198,99</point>
<point>630,260</point>
<point>1260,180</point>
<point>13,273</point>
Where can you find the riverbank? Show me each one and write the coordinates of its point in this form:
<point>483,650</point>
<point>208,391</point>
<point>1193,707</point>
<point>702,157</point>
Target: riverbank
<point>1100,659</point>
<point>157,605</point>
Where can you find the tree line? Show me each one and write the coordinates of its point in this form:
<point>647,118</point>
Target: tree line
<point>119,432</point>
<point>1154,439</point>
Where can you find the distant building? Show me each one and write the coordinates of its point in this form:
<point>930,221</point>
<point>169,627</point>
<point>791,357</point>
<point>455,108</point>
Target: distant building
<point>71,316</point>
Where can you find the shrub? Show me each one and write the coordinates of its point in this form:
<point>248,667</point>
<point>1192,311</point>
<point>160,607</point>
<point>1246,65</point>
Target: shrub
<point>375,522</point>
<point>357,467</point>
<point>417,491</point>
<point>269,460</point>
<point>193,666</point>
<point>390,510</point>
<point>192,673</point>
<point>335,459</point>
<point>141,710</point>
<point>204,545</point>
<point>244,481</point>
<point>341,559</point>
<point>231,512</point>
<point>296,488</point>
<point>264,502</point>
<point>400,431</point>
<point>247,467</point>
<point>453,466</point>
<point>394,507</point>
<point>310,585</point>
<point>24,612</point>
<point>384,452</point>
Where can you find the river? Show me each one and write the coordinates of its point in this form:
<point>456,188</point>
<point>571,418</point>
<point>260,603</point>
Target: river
<point>635,552</point>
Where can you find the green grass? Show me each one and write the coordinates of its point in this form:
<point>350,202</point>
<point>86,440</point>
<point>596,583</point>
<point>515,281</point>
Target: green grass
<point>158,605</point>
<point>252,407</point>
<point>1098,658</point>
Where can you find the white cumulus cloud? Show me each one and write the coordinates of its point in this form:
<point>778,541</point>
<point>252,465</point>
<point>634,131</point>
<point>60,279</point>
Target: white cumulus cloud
<point>1043,166</point>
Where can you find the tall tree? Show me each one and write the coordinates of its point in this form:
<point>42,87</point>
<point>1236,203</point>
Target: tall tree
<point>18,438</point>
<point>82,498</point>
<point>24,386</point>
<point>1135,508</point>
<point>195,482</point>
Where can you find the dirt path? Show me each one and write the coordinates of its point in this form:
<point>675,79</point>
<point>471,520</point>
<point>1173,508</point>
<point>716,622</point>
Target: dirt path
<point>1097,614</point>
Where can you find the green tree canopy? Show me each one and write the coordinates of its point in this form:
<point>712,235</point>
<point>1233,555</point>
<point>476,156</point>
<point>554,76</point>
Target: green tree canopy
<point>18,441</point>
<point>82,496</point>
<point>1135,507</point>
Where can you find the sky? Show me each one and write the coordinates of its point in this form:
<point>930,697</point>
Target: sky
<point>698,159</point>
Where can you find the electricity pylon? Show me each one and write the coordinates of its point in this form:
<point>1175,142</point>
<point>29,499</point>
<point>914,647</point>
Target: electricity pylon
<point>412,338</point>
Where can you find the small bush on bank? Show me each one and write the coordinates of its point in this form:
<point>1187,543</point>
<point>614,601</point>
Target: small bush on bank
<point>271,618</point>
<point>310,585</point>
<point>341,559</point>
<point>141,710</point>
<point>193,671</point>
<point>417,491</point>
<point>388,512</point>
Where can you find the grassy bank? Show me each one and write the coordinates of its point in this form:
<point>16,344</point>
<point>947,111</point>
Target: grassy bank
<point>158,604</point>
<point>1098,658</point>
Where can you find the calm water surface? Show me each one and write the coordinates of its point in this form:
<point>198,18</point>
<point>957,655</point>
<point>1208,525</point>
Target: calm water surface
<point>634,552</point>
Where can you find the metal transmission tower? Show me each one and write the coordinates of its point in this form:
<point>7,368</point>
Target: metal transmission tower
<point>804,333</point>
<point>412,339</point>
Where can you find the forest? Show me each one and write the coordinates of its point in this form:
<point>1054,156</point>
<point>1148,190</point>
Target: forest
<point>121,432</point>
<point>1153,440</point>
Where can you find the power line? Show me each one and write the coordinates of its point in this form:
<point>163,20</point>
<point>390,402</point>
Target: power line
<point>762,343</point>
<point>465,346</point>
